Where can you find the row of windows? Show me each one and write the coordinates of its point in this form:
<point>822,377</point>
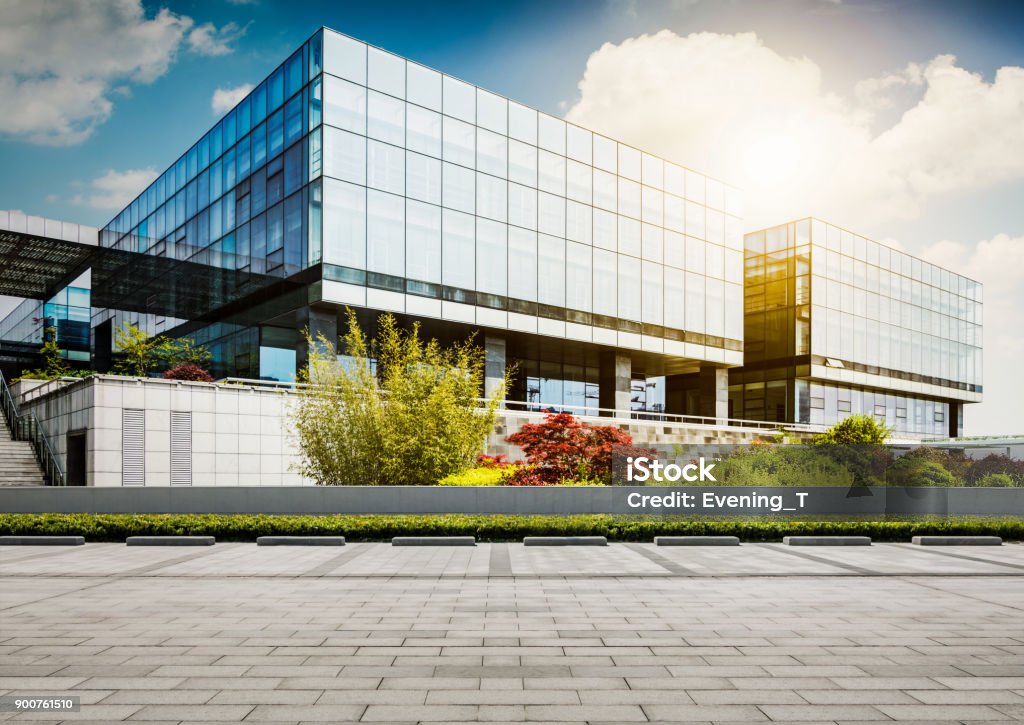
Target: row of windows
<point>353,158</point>
<point>827,405</point>
<point>829,237</point>
<point>841,335</point>
<point>369,80</point>
<point>387,234</point>
<point>883,308</point>
<point>272,103</point>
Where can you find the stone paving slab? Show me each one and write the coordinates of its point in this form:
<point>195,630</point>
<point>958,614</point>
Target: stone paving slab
<point>623,633</point>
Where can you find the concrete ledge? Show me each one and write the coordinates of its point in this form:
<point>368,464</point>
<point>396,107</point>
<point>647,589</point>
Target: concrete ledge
<point>957,541</point>
<point>169,541</point>
<point>42,540</point>
<point>300,541</point>
<point>826,540</point>
<point>433,541</point>
<point>696,541</point>
<point>565,541</point>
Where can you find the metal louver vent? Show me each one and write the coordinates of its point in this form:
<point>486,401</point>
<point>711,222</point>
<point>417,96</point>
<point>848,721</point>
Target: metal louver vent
<point>133,447</point>
<point>181,448</point>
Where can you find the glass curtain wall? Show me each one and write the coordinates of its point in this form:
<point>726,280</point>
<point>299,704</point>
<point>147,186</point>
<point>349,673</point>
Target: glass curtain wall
<point>435,187</point>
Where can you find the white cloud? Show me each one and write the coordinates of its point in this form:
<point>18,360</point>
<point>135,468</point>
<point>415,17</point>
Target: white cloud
<point>114,190</point>
<point>729,106</point>
<point>207,39</point>
<point>61,63</point>
<point>224,99</point>
<point>996,263</point>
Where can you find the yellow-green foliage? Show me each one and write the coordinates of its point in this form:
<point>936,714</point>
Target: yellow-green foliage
<point>411,419</point>
<point>477,477</point>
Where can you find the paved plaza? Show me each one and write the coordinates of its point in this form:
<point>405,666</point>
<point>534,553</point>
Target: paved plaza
<point>506,633</point>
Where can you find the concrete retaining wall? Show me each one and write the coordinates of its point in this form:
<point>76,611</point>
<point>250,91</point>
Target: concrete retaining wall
<point>511,500</point>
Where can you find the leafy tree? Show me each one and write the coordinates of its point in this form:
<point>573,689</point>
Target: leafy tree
<point>994,463</point>
<point>856,429</point>
<point>564,449</point>
<point>140,354</point>
<point>396,410</point>
<point>137,350</point>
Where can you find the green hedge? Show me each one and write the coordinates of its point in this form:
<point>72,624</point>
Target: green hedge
<point>243,527</point>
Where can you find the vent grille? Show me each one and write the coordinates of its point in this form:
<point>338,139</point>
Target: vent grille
<point>133,447</point>
<point>181,448</point>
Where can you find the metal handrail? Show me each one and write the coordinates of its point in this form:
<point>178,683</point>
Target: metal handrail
<point>26,427</point>
<point>589,411</point>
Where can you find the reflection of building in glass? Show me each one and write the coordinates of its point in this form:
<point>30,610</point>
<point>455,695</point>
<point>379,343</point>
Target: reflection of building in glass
<point>838,324</point>
<point>380,184</point>
<point>67,312</point>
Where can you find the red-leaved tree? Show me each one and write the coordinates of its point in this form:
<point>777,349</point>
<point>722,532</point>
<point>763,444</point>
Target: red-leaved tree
<point>564,449</point>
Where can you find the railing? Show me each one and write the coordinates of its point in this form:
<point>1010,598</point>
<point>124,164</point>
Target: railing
<point>26,427</point>
<point>585,411</point>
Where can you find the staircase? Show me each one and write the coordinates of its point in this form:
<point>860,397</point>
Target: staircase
<point>18,464</point>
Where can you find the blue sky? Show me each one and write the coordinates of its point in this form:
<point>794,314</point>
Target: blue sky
<point>927,96</point>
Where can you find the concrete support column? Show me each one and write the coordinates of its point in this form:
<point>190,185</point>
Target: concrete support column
<point>494,364</point>
<point>318,322</point>
<point>614,377</point>
<point>714,392</point>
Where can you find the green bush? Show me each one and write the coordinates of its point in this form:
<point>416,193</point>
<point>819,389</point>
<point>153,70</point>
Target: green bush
<point>767,465</point>
<point>996,480</point>
<point>395,408</point>
<point>477,477</point>
<point>916,471</point>
<point>855,429</point>
<point>243,527</point>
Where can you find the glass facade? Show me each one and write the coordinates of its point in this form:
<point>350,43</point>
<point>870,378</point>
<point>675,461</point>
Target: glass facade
<point>67,312</point>
<point>837,324</point>
<point>397,182</point>
<point>438,189</point>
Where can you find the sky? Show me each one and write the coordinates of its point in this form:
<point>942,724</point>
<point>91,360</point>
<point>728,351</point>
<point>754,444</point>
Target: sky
<point>901,120</point>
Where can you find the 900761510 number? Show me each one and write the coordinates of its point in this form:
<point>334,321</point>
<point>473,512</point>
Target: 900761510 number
<point>40,703</point>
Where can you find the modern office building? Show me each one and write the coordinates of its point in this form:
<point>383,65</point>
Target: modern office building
<point>351,177</point>
<point>836,324</point>
<point>366,180</point>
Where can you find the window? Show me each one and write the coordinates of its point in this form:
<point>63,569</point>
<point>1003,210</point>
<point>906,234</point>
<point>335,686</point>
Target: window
<point>385,167</point>
<point>491,112</point>
<point>344,105</point>
<point>386,72</point>
<point>492,257</point>
<point>423,242</point>
<point>605,282</point>
<point>522,123</point>
<point>629,198</point>
<point>344,57</point>
<point>491,197</point>
<point>629,288</point>
<point>629,162</point>
<point>424,86</point>
<point>629,237</point>
<point>522,206</point>
<point>385,118</point>
<point>522,264</point>
<point>458,240</point>
<point>424,134</point>
<point>385,233</point>
<point>551,173</point>
<point>344,156</point>
<point>459,142</point>
<point>423,177</point>
<point>344,224</point>
<point>459,99</point>
<point>652,293</point>
<point>551,272</point>
<point>578,276</point>
<point>551,133</point>
<point>522,164</point>
<point>578,222</point>
<point>551,214</point>
<point>579,182</point>
<point>491,153</point>
<point>458,191</point>
<point>605,230</point>
<point>579,144</point>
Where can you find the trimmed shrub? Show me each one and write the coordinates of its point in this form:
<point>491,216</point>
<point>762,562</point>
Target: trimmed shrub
<point>995,480</point>
<point>246,527</point>
<point>188,371</point>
